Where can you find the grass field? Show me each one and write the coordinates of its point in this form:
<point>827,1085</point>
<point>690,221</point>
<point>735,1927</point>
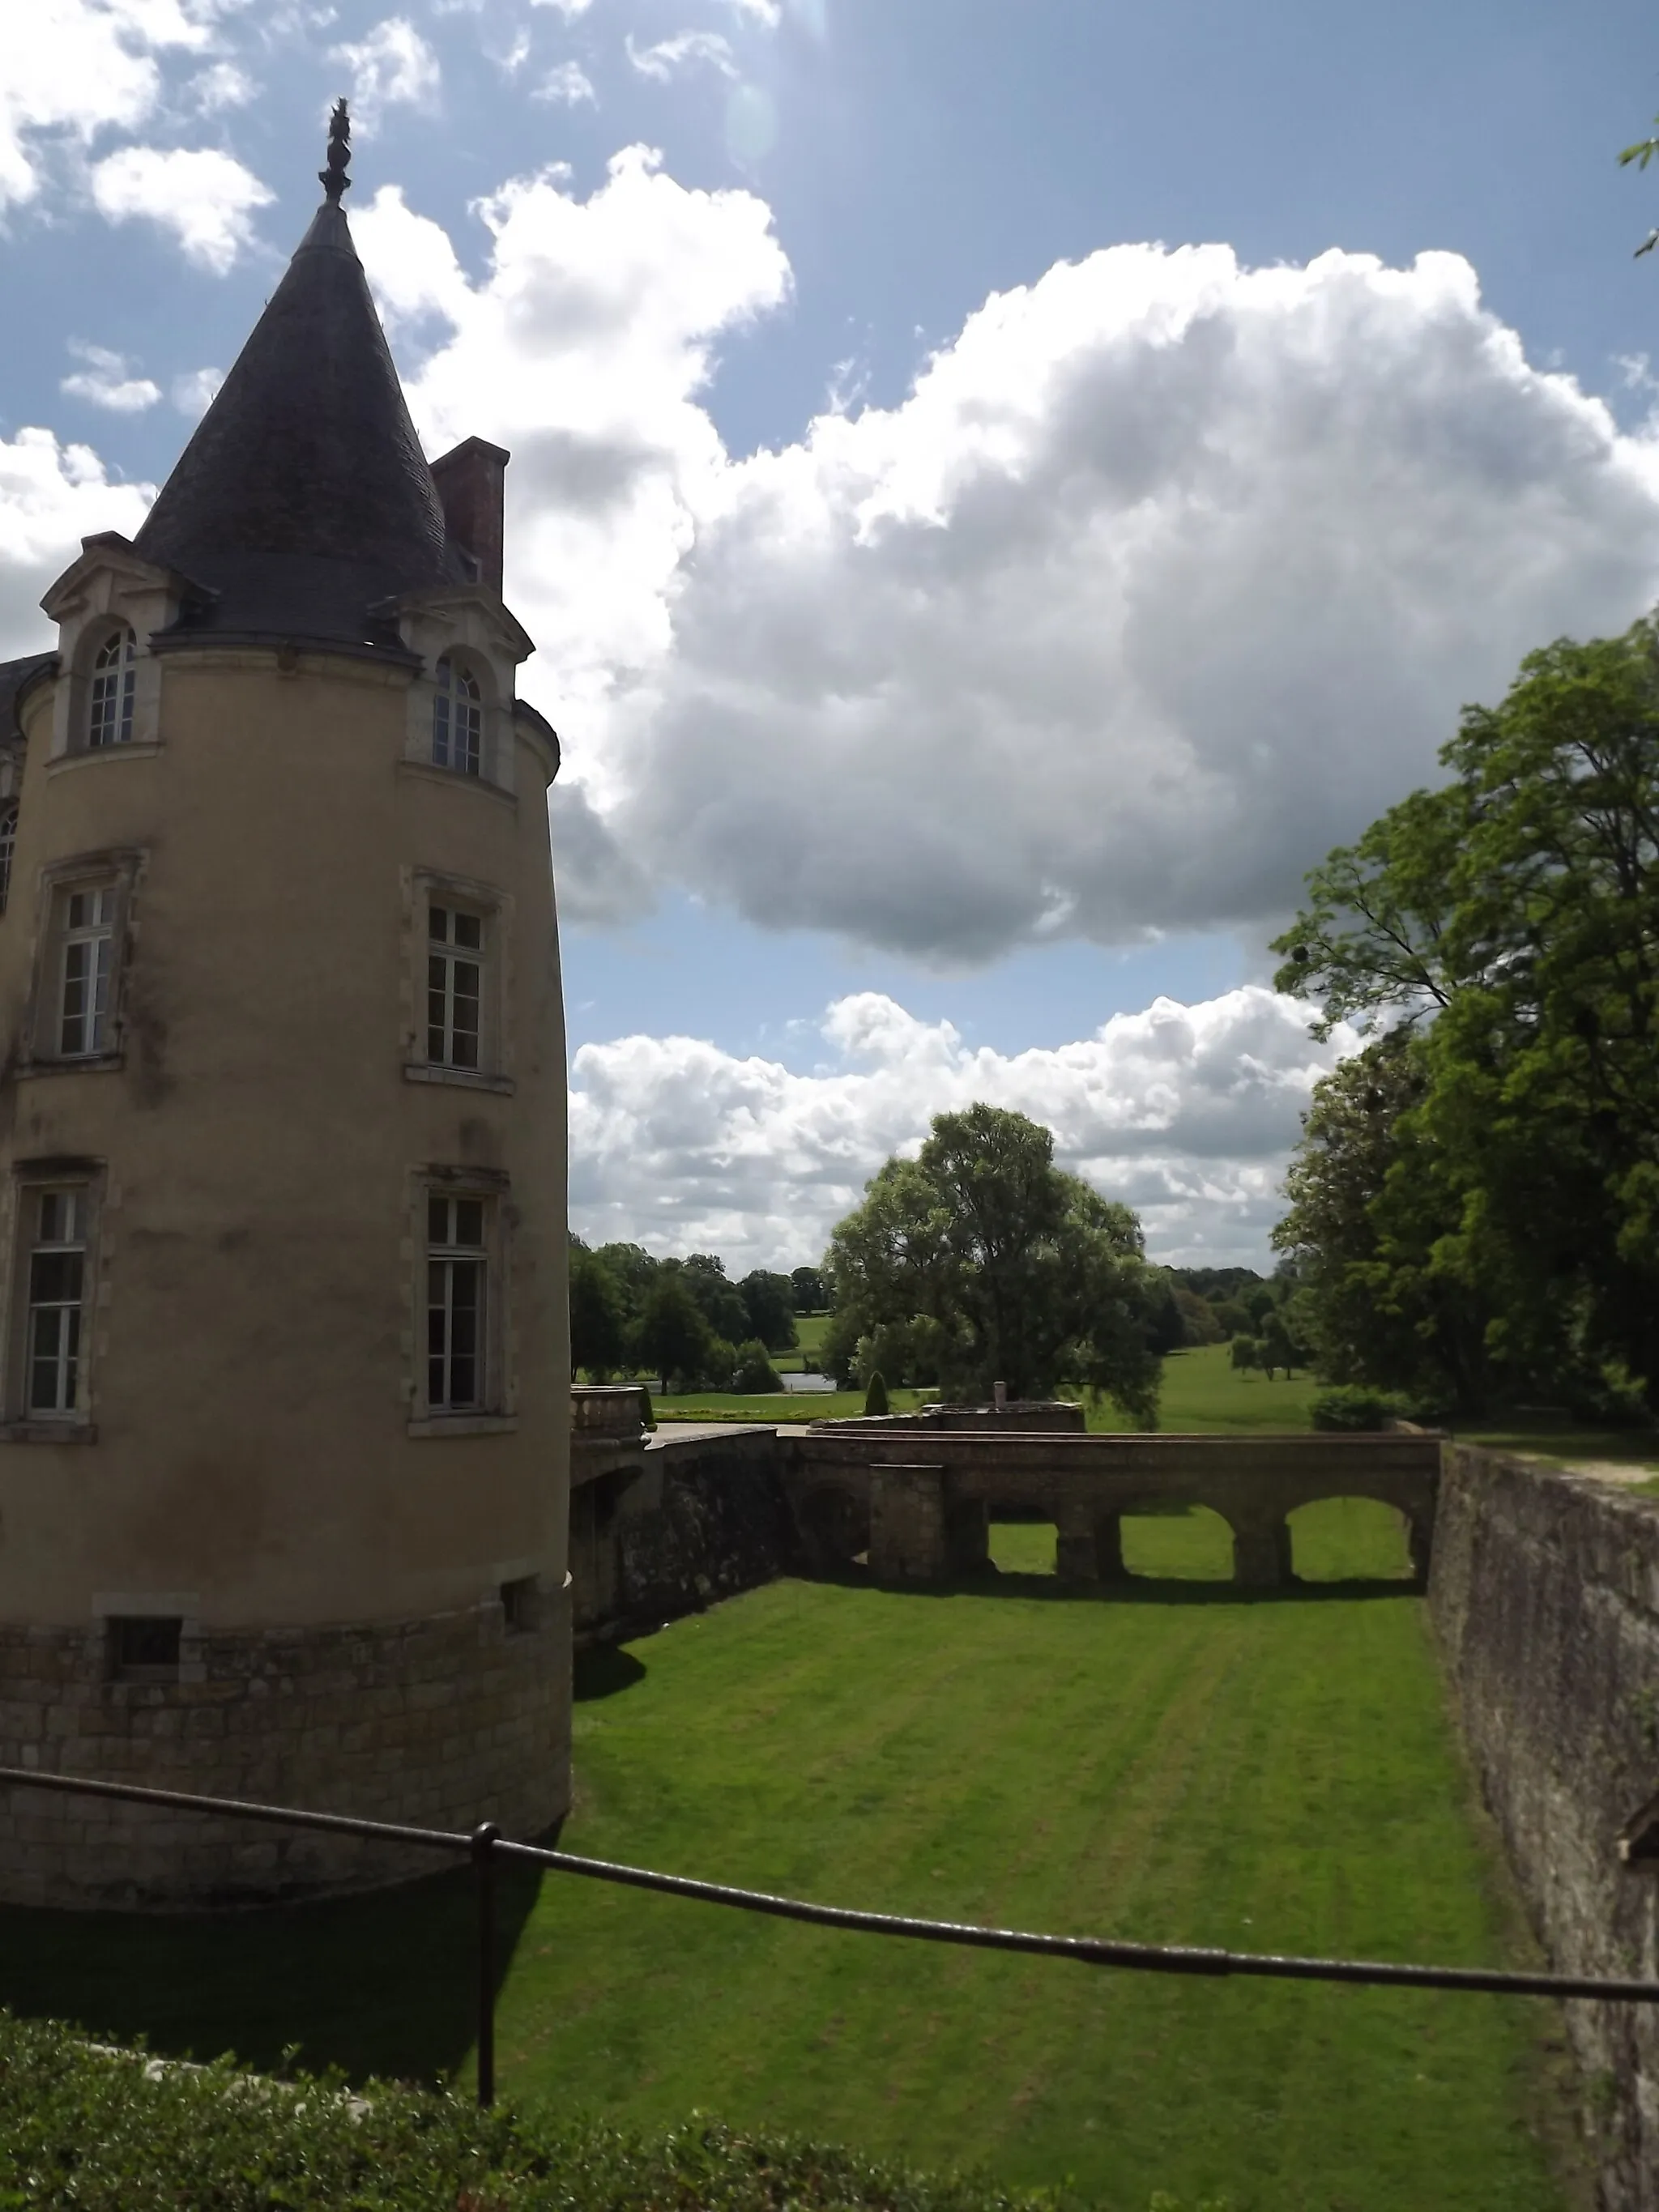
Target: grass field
<point>1202,1391</point>
<point>1189,1767</point>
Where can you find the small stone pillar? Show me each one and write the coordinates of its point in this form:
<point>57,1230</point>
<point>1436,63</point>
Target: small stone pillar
<point>1088,1546</point>
<point>967,1534</point>
<point>909,1535</point>
<point>1261,1555</point>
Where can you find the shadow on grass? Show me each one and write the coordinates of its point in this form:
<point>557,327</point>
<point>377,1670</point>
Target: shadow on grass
<point>603,1669</point>
<point>1135,1589</point>
<point>383,1985</point>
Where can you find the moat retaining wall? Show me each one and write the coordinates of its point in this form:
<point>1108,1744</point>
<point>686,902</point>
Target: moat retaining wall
<point>441,1723</point>
<point>1544,1595</point>
<point>666,1531</point>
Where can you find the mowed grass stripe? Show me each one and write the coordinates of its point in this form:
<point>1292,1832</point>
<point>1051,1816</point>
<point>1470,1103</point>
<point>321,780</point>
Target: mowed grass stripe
<point>1182,1766</point>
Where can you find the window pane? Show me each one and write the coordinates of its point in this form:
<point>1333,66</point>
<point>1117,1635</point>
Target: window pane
<point>437,924</point>
<point>469,1222</point>
<point>437,1222</point>
<point>55,1278</point>
<point>469,931</point>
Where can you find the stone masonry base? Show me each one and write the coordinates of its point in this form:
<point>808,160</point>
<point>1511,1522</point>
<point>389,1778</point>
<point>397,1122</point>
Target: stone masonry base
<point>441,1723</point>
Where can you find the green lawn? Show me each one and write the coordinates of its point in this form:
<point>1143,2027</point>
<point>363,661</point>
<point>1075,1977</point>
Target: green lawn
<point>1202,1393</point>
<point>808,1332</point>
<point>1181,1764</point>
<point>1205,1393</point>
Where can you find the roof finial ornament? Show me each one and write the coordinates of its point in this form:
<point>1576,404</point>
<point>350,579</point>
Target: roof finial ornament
<point>334,179</point>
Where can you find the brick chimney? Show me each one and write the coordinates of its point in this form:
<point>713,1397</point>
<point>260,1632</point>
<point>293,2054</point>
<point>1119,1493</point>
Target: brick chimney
<point>471,481</point>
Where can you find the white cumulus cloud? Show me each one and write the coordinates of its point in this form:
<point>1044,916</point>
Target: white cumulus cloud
<point>1188,1112</point>
<point>566,85</point>
<point>105,379</point>
<point>51,496</point>
<point>582,350</point>
<point>670,57</point>
<point>392,66</point>
<point>195,391</point>
<point>204,198</point>
<point>1167,575</point>
<point>223,86</point>
<point>73,68</point>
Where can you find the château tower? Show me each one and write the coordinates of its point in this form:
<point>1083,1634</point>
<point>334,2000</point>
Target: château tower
<point>284,1398</point>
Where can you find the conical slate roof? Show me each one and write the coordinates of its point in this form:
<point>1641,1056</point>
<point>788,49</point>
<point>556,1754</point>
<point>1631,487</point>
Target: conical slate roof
<point>304,497</point>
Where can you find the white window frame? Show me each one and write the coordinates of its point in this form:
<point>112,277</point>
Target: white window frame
<point>458,1241</point>
<point>54,1333</point>
<point>112,690</point>
<point>8,847</point>
<point>426,891</point>
<point>450,1043</point>
<point>85,918</point>
<point>458,710</point>
<point>451,1237</point>
<point>110,879</point>
<point>39,1307</point>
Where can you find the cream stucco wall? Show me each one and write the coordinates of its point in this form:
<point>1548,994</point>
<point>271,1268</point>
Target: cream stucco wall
<point>254,1332</point>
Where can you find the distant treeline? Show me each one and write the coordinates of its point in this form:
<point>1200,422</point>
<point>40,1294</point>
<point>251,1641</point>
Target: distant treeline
<point>691,1323</point>
<point>685,1321</point>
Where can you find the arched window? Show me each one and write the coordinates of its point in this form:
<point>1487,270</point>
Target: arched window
<point>457,720</point>
<point>109,714</point>
<point>8,843</point>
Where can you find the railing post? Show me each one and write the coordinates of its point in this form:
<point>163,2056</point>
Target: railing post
<point>484,1839</point>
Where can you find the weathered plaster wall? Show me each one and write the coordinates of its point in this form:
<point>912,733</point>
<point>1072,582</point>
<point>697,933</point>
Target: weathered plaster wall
<point>1544,1593</point>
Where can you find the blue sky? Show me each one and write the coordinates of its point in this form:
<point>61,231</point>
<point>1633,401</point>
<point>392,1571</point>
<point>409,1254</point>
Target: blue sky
<point>1016,699</point>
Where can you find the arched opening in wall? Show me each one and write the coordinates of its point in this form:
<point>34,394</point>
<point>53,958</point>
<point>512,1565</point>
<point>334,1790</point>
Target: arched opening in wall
<point>1176,1542</point>
<point>1341,1540</point>
<point>835,1526</point>
<point>1020,1543</point>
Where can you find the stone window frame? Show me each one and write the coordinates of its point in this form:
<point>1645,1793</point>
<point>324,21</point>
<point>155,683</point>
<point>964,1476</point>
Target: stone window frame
<point>496,1412</point>
<point>460,636</point>
<point>110,1607</point>
<point>30,1180</point>
<point>424,888</point>
<point>119,871</point>
<point>71,745</point>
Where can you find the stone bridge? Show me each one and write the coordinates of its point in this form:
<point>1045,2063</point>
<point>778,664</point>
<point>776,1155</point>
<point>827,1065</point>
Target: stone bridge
<point>919,1498</point>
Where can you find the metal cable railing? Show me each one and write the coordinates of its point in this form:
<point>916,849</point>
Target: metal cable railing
<point>487,1847</point>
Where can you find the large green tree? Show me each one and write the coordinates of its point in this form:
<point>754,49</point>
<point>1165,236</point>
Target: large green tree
<point>672,1336</point>
<point>1008,1269</point>
<point>769,1302</point>
<point>1501,938</point>
<point>599,1315</point>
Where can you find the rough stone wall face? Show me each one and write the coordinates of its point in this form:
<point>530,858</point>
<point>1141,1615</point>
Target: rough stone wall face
<point>707,1518</point>
<point>441,1723</point>
<point>1545,1593</point>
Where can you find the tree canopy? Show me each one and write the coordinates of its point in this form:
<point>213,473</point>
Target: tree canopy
<point>1484,1180</point>
<point>996,1266</point>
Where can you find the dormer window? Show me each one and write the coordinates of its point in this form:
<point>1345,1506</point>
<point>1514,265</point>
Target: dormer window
<point>457,720</point>
<point>114,676</point>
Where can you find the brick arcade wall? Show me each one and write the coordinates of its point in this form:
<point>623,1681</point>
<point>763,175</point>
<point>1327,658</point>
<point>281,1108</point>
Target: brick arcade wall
<point>1545,1596</point>
<point>442,1721</point>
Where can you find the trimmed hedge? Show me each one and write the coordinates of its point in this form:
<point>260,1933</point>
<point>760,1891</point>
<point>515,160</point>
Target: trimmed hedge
<point>117,2131</point>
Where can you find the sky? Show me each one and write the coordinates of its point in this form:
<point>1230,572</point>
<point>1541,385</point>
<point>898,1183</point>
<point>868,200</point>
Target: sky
<point>999,491</point>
